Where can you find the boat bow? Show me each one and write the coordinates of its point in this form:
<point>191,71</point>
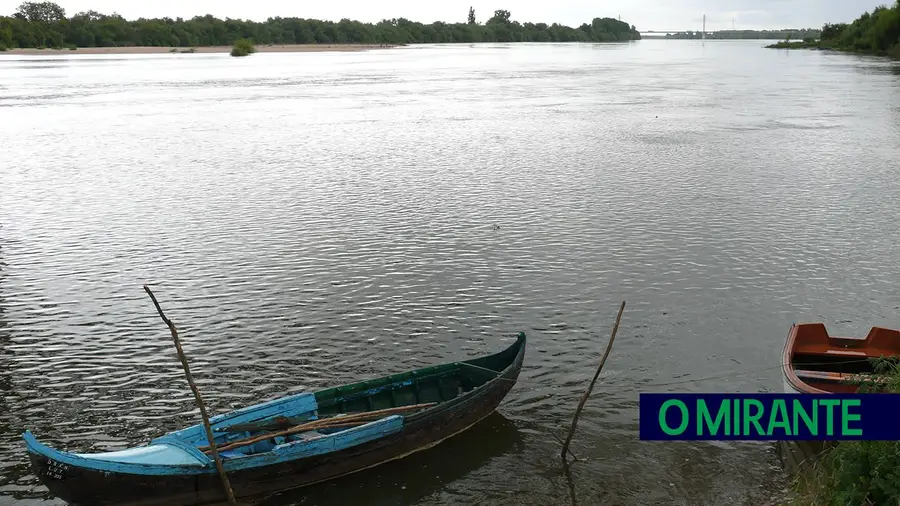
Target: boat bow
<point>165,456</point>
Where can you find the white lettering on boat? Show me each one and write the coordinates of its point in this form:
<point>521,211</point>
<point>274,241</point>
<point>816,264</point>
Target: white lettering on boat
<point>55,470</point>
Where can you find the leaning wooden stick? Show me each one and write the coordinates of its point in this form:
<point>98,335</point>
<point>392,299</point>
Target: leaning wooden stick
<point>560,441</point>
<point>587,392</point>
<point>187,373</point>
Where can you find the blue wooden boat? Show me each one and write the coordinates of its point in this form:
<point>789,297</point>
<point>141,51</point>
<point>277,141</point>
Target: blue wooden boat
<point>265,448</point>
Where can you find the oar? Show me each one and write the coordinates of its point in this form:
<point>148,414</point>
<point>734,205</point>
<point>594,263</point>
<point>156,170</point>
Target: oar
<point>279,422</point>
<point>335,421</point>
<point>283,422</point>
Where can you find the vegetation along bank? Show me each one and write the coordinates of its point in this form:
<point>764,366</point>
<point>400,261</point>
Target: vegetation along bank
<point>45,25</point>
<point>875,33</point>
<point>855,472</point>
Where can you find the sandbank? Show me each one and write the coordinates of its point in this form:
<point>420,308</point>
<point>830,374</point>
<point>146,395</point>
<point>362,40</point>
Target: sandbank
<point>261,48</point>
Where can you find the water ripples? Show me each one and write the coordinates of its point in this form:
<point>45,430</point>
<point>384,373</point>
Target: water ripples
<point>311,220</point>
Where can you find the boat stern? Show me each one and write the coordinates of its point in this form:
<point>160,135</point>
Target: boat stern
<point>114,478</point>
<point>46,462</point>
<point>62,479</point>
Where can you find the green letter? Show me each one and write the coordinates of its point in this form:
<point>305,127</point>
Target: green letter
<point>829,420</point>
<point>704,417</point>
<point>754,419</point>
<point>662,417</point>
<point>811,424</point>
<point>847,417</point>
<point>778,408</point>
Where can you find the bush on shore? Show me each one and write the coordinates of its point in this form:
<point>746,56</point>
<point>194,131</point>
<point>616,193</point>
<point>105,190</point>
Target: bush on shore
<point>243,47</point>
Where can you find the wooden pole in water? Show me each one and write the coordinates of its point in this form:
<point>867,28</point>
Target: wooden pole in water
<point>587,392</point>
<point>187,373</point>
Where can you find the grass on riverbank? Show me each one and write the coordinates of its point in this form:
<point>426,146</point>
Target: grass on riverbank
<point>855,472</point>
<point>799,44</point>
<point>851,473</point>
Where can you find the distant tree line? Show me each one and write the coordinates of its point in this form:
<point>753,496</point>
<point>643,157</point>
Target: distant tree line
<point>45,25</point>
<point>801,33</point>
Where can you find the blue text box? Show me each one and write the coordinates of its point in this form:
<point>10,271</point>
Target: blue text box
<point>769,417</point>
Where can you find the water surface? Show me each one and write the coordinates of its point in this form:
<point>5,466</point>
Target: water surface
<point>313,219</point>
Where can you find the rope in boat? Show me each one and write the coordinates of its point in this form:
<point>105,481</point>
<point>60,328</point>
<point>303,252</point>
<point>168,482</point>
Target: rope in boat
<point>694,380</point>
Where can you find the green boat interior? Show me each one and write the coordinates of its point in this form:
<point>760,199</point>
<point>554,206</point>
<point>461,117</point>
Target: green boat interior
<point>429,385</point>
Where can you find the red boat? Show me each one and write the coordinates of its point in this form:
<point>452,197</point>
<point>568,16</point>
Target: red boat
<point>814,362</point>
<point>817,363</point>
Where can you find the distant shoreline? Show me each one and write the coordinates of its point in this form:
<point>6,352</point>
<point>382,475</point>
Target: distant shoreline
<point>260,48</point>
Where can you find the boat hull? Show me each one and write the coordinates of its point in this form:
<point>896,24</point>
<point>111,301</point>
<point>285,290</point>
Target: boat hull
<point>83,487</point>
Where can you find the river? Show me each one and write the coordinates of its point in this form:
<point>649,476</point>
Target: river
<point>312,219</point>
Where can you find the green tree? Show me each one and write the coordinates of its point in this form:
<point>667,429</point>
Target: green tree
<point>39,24</point>
<point>500,16</point>
<point>832,31</point>
<point>6,33</point>
<point>41,12</point>
<point>877,32</point>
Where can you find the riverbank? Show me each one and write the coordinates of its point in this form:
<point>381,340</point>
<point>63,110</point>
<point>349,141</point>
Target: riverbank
<point>800,44</point>
<point>894,52</point>
<point>261,48</point>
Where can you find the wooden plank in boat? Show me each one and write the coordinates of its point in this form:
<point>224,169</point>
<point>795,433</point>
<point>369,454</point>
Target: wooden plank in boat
<point>835,376</point>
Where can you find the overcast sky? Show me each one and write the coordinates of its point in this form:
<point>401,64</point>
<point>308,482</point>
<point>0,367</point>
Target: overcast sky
<point>644,14</point>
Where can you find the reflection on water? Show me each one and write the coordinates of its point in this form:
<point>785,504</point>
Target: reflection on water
<point>309,220</point>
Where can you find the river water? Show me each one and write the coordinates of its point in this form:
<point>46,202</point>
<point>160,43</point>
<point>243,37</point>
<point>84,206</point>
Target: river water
<point>314,219</point>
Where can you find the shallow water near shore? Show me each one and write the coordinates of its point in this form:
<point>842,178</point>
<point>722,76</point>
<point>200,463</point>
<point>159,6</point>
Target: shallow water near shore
<point>313,219</point>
